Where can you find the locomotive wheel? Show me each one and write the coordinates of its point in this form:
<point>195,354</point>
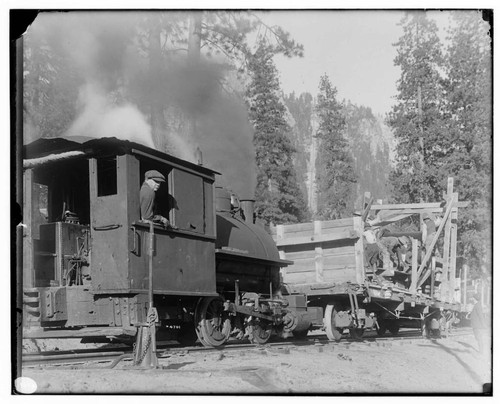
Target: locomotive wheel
<point>259,331</point>
<point>333,333</point>
<point>356,333</point>
<point>213,326</point>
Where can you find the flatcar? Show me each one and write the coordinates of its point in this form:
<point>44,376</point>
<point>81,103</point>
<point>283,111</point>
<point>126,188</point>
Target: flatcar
<point>331,267</point>
<point>87,253</point>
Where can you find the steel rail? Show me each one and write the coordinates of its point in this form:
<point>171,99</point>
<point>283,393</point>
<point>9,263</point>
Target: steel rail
<point>87,355</point>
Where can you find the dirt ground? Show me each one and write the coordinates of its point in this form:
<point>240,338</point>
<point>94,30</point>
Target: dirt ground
<point>447,365</point>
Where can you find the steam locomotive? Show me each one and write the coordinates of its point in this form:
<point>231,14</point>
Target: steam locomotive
<point>87,256</point>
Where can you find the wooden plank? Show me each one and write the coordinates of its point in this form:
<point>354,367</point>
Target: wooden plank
<point>329,249</point>
<point>340,276</point>
<point>414,266</point>
<point>346,234</point>
<point>299,255</point>
<point>340,260</point>
<point>290,233</point>
<point>445,290</point>
<point>301,227</point>
<point>420,207</point>
<point>366,206</point>
<point>304,277</point>
<point>453,249</point>
<point>347,222</point>
<point>309,227</point>
<point>328,263</point>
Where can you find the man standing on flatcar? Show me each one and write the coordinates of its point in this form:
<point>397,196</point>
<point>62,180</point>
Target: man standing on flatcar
<point>152,182</point>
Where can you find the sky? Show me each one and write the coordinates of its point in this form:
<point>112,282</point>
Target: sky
<point>353,47</point>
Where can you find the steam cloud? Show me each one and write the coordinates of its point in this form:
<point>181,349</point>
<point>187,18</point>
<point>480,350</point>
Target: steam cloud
<point>102,119</point>
<point>102,48</point>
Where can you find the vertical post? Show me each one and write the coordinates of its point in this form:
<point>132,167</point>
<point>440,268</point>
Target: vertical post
<point>152,314</point>
<point>414,265</point>
<point>151,252</point>
<point>433,275</point>
<point>466,270</point>
<point>318,258</point>
<point>453,242</point>
<point>445,285</point>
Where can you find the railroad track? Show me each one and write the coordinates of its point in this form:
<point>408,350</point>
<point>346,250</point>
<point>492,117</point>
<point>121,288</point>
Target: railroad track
<point>107,355</point>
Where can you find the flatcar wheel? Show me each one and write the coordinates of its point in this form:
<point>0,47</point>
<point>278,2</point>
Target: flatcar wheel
<point>393,327</point>
<point>213,326</point>
<point>259,331</point>
<point>332,332</point>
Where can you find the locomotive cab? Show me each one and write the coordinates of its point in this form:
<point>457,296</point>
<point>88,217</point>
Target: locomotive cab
<point>86,249</point>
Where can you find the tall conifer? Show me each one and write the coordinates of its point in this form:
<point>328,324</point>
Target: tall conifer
<point>335,173</point>
<point>278,197</point>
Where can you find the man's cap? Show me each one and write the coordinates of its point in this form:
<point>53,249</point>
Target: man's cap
<point>155,175</point>
<point>425,216</point>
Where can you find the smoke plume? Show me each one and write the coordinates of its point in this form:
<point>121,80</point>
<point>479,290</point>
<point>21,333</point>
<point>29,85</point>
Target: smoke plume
<point>120,88</point>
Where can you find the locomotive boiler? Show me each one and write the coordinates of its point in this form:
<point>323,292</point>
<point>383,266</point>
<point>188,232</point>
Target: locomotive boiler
<point>86,252</point>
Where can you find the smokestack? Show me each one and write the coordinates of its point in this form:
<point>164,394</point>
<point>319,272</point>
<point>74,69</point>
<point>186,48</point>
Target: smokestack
<point>247,206</point>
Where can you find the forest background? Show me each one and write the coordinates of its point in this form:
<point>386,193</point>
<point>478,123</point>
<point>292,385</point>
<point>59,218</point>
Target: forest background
<point>178,81</point>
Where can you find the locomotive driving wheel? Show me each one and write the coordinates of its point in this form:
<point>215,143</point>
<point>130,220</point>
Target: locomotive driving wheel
<point>259,330</point>
<point>213,325</point>
<point>332,332</point>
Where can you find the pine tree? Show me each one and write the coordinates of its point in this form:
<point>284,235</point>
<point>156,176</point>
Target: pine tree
<point>469,86</point>
<point>335,173</point>
<point>417,119</point>
<point>278,197</point>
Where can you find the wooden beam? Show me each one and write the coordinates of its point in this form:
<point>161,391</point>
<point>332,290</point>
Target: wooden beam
<point>453,250</point>
<point>419,207</point>
<point>414,266</point>
<point>445,284</point>
<point>367,208</point>
<point>340,235</point>
<point>434,240</point>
